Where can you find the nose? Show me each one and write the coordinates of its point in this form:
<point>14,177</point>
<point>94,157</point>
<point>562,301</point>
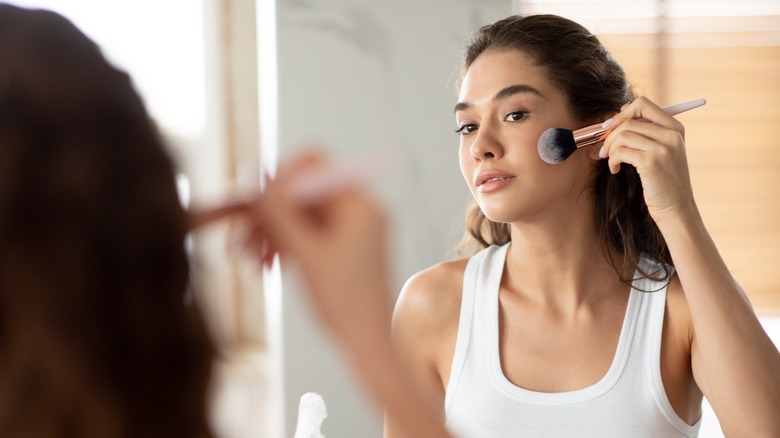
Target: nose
<point>486,146</point>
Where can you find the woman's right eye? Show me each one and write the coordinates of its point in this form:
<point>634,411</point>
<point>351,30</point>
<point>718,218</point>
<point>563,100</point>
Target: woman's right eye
<point>466,128</point>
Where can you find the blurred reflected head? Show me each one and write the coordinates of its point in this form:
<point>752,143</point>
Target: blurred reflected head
<point>95,336</point>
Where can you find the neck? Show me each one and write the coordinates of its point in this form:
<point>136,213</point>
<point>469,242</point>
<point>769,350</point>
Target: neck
<point>559,262</point>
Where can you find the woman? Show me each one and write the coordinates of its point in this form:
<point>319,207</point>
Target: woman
<point>599,305</point>
<point>96,336</point>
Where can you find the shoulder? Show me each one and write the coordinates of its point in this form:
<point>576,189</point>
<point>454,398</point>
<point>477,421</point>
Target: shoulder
<point>432,296</point>
<point>425,321</point>
<point>425,327</point>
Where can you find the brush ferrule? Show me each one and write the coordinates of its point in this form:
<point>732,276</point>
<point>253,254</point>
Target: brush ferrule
<point>589,135</point>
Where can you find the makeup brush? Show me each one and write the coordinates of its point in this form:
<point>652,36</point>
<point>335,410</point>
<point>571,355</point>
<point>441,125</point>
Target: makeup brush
<point>556,144</point>
<point>311,186</point>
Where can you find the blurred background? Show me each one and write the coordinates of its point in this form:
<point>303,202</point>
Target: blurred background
<point>237,85</point>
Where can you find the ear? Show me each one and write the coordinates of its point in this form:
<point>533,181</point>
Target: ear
<point>593,151</point>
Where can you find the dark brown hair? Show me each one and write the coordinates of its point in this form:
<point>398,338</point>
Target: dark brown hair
<point>595,85</point>
<point>95,337</point>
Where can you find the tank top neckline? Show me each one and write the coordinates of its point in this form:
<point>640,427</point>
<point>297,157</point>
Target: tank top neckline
<point>575,396</point>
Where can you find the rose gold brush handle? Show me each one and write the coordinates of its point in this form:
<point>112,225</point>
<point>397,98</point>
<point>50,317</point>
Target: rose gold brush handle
<point>595,133</point>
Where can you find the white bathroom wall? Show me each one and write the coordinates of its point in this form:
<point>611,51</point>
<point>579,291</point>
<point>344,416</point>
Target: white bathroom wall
<point>354,76</point>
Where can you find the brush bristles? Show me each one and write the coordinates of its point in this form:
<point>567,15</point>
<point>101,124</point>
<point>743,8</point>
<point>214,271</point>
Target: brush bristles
<point>555,145</point>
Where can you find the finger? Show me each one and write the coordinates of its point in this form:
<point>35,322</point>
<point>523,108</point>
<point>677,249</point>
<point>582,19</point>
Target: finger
<point>260,248</point>
<point>625,155</point>
<point>288,225</point>
<point>255,242</point>
<point>643,108</point>
<point>299,164</point>
<point>270,254</point>
<point>626,138</point>
<point>197,217</point>
<point>637,134</point>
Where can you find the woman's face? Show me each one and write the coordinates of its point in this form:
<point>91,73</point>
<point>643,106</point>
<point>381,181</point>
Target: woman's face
<point>506,102</point>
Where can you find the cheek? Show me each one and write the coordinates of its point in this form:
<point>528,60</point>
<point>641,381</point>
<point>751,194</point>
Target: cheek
<point>568,179</point>
<point>466,164</point>
<point>532,146</point>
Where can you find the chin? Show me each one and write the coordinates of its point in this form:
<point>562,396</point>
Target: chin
<point>500,215</point>
<point>508,213</point>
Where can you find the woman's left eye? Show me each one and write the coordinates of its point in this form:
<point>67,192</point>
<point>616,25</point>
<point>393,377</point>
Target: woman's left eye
<point>516,116</point>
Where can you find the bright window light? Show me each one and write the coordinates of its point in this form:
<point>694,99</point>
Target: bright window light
<point>159,43</point>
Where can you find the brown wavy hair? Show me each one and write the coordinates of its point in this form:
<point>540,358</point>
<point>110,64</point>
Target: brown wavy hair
<point>96,338</point>
<point>595,86</point>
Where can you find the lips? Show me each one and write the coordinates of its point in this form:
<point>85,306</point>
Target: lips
<point>492,180</point>
<point>492,176</point>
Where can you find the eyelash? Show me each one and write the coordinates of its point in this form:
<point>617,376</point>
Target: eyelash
<point>523,112</point>
<point>462,127</point>
<point>471,127</point>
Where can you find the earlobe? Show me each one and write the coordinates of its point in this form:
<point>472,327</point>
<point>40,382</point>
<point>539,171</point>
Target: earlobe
<point>593,151</point>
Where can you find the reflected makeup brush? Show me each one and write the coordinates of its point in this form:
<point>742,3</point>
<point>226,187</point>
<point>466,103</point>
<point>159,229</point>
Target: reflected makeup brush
<point>557,144</point>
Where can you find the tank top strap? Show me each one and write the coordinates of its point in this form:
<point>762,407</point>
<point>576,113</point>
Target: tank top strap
<point>652,298</point>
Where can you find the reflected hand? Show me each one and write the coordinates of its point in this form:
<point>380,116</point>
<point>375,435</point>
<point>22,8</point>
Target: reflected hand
<point>339,246</point>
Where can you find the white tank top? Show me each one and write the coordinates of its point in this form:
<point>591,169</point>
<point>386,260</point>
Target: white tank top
<point>629,401</point>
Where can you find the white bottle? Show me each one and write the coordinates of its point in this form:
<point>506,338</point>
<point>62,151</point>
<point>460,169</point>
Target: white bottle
<point>311,413</point>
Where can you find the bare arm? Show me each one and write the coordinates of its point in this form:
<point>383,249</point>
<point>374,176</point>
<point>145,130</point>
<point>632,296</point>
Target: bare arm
<point>734,362</point>
<point>339,246</point>
<point>425,326</point>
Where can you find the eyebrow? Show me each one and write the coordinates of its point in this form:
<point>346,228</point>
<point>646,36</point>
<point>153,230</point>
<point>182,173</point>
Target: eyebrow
<point>503,94</point>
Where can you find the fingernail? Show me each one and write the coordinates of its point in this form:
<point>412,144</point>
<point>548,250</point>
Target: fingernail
<point>264,249</point>
<point>601,152</point>
<point>607,123</point>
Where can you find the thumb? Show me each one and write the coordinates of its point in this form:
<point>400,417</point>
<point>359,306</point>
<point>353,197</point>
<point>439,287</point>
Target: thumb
<point>287,225</point>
